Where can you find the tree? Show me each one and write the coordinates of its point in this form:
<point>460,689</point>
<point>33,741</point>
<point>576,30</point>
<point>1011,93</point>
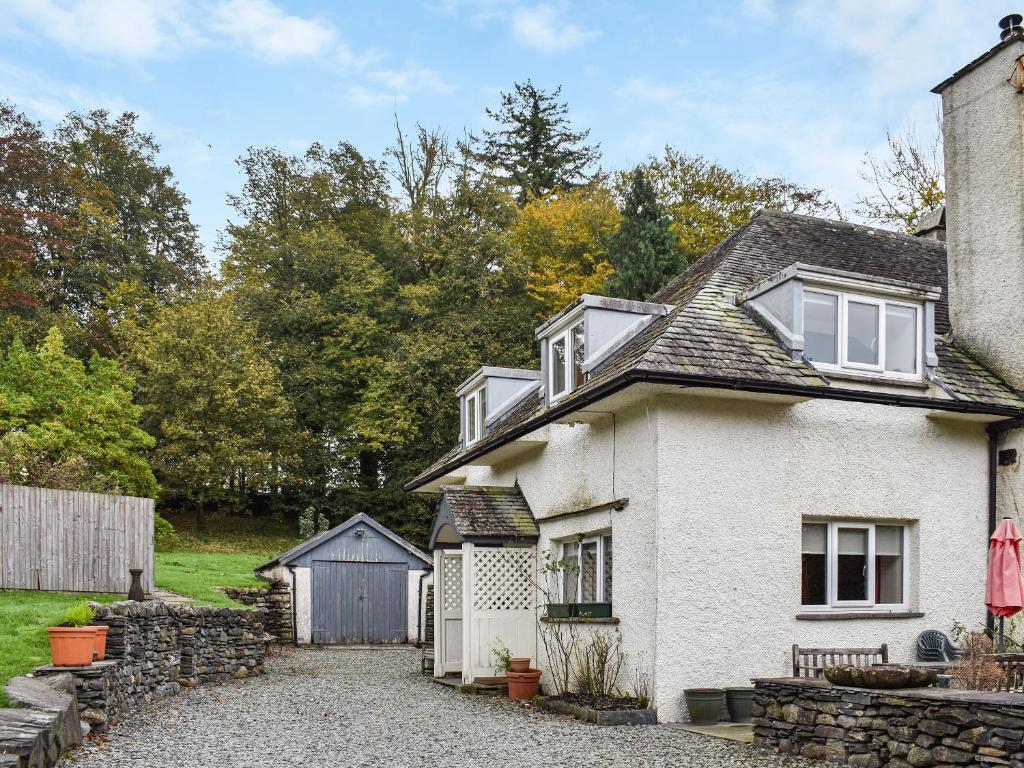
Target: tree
<point>707,202</point>
<point>643,251</point>
<point>419,165</point>
<point>533,149</point>
<point>66,425</point>
<point>212,398</point>
<point>565,238</point>
<point>906,184</point>
<point>313,264</point>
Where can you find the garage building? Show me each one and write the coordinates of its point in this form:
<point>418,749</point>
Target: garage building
<point>358,583</point>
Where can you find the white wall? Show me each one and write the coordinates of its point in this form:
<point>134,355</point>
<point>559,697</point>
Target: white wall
<point>303,601</point>
<point>416,602</point>
<point>576,470</point>
<point>734,481</point>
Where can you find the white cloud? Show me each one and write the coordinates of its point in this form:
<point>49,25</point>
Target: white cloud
<point>544,27</point>
<point>373,85</point>
<point>49,100</point>
<point>121,29</point>
<point>263,28</point>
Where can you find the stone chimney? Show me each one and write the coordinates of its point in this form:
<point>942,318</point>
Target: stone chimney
<point>983,131</point>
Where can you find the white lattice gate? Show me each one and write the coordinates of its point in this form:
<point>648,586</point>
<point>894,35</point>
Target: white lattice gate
<point>483,596</point>
<point>502,606</point>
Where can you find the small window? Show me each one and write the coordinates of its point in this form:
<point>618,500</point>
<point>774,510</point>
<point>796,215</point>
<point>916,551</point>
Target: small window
<point>587,575</point>
<point>476,414</point>
<point>862,338</point>
<point>853,565</point>
<point>900,338</point>
<point>821,327</point>
<point>567,354</point>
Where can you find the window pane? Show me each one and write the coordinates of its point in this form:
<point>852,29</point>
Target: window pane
<point>570,572</point>
<point>901,339</point>
<point>889,564</point>
<point>577,355</point>
<point>862,333</point>
<point>558,366</point>
<point>607,569</point>
<point>588,572</point>
<point>471,418</point>
<point>821,327</point>
<point>852,564</point>
<point>482,417</point>
<point>814,565</point>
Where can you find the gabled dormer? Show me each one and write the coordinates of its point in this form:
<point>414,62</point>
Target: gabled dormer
<point>489,394</point>
<point>846,323</point>
<point>584,334</point>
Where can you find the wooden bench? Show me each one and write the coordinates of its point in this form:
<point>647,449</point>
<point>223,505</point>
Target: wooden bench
<point>1012,665</point>
<point>811,662</point>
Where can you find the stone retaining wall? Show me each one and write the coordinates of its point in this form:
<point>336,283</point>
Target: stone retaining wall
<point>44,725</point>
<point>275,602</point>
<point>154,648</point>
<point>895,729</point>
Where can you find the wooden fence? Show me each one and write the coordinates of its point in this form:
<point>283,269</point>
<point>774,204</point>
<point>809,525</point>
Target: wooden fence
<point>72,541</point>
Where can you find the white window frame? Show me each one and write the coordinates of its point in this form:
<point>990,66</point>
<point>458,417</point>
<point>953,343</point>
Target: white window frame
<point>565,336</point>
<point>599,539</point>
<point>844,299</point>
<point>832,570</point>
<point>475,413</point>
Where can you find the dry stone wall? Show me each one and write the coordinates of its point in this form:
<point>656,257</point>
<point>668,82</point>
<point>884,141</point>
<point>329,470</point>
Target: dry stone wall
<point>153,649</point>
<point>275,603</point>
<point>889,729</point>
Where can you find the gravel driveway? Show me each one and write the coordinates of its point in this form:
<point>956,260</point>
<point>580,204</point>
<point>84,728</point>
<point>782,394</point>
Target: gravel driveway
<point>372,708</point>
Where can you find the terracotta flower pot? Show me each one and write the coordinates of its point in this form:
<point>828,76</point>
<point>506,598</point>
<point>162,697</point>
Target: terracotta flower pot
<point>519,664</point>
<point>100,648</point>
<point>72,646</point>
<point>523,686</point>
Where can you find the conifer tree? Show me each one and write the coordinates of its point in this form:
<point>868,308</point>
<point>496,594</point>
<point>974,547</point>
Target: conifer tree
<point>643,251</point>
<point>533,148</point>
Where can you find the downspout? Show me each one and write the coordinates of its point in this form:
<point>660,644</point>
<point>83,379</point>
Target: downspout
<point>419,608</point>
<point>295,619</point>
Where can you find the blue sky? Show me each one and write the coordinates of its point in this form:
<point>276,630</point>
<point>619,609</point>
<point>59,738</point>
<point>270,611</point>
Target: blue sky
<point>797,88</point>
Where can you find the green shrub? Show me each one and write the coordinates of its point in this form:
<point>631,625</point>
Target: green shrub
<point>164,536</point>
<point>79,615</point>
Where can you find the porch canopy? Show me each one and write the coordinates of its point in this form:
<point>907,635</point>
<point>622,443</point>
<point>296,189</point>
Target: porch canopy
<point>482,514</point>
<point>485,559</point>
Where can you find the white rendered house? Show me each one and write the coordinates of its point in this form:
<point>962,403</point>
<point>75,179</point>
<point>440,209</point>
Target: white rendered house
<point>805,438</point>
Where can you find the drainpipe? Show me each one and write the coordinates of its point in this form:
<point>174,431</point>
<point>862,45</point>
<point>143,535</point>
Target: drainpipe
<point>295,621</point>
<point>419,608</point>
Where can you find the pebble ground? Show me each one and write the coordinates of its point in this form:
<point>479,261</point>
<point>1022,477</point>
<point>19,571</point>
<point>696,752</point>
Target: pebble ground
<point>372,708</point>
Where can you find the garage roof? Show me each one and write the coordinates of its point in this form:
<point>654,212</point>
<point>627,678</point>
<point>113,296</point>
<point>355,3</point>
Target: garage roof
<point>320,539</point>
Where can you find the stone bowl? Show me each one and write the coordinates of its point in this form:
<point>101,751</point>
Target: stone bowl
<point>880,677</point>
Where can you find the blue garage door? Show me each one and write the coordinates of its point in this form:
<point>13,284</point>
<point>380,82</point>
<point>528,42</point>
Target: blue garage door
<point>359,603</point>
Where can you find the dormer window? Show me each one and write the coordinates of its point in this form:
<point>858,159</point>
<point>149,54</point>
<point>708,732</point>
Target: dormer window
<point>849,323</point>
<point>862,333</point>
<point>567,355</point>
<point>585,334</point>
<point>476,415</point>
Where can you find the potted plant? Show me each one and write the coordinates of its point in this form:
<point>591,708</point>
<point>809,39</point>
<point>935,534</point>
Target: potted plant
<point>100,649</point>
<point>739,702</point>
<point>523,686</point>
<point>704,704</point>
<point>73,643</point>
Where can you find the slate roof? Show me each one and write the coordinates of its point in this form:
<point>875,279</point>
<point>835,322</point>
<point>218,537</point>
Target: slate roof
<point>709,340</point>
<point>490,512</point>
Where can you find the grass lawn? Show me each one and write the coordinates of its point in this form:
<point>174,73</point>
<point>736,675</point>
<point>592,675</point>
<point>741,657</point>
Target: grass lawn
<point>234,535</point>
<point>196,574</point>
<point>24,617</point>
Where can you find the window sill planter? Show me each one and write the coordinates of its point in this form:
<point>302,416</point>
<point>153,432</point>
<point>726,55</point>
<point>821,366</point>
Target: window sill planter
<point>72,646</point>
<point>579,610</point>
<point>634,716</point>
<point>704,704</point>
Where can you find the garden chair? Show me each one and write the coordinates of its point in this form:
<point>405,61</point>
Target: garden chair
<point>933,645</point>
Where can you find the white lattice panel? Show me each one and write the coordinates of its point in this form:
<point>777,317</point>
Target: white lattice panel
<point>451,566</point>
<point>503,579</point>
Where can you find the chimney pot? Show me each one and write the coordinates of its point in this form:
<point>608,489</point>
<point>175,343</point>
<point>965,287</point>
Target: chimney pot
<point>1010,25</point>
